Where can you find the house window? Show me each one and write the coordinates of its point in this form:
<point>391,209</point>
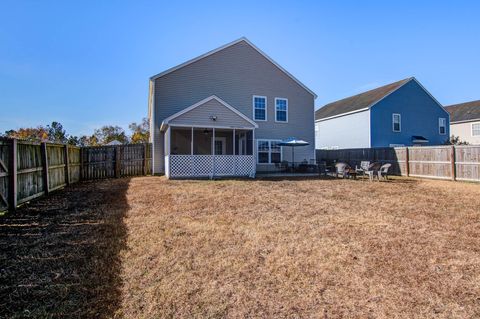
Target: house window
<point>396,122</point>
<point>476,129</point>
<point>281,110</point>
<point>275,152</point>
<point>442,126</point>
<point>259,108</point>
<point>269,152</point>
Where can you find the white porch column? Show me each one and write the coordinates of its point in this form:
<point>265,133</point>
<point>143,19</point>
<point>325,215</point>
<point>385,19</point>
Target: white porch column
<point>213,152</point>
<point>233,141</point>
<point>191,143</point>
<point>234,158</point>
<point>254,153</point>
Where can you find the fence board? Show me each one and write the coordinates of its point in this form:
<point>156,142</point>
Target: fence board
<point>4,176</point>
<point>468,163</point>
<point>443,162</point>
<point>32,179</point>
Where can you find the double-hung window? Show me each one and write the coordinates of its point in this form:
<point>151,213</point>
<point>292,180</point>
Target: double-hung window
<point>396,122</point>
<point>269,152</point>
<point>442,126</point>
<point>259,108</point>
<point>281,110</point>
<point>476,129</point>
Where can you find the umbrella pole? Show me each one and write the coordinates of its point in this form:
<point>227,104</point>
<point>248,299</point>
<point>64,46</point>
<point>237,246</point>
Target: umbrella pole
<point>293,158</point>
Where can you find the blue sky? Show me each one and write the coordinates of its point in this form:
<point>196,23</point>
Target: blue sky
<point>87,63</point>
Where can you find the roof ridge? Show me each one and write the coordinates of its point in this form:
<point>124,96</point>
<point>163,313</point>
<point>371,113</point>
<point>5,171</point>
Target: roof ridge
<point>360,101</point>
<point>374,89</point>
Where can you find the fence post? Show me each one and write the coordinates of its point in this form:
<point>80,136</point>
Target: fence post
<point>454,169</point>
<point>12,176</point>
<point>144,159</point>
<point>81,163</point>
<point>67,165</point>
<point>407,159</point>
<point>117,161</point>
<point>43,151</point>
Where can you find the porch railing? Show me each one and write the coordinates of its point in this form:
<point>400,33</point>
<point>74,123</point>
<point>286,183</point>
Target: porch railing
<point>191,166</point>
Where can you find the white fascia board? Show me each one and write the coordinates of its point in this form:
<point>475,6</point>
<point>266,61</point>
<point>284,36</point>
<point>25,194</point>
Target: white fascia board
<point>213,97</point>
<point>343,114</point>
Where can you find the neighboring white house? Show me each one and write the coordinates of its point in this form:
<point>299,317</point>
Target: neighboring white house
<point>465,121</point>
<point>402,113</point>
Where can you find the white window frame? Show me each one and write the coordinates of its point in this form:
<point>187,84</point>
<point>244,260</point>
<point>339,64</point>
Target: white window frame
<point>286,119</point>
<point>475,135</point>
<point>266,108</point>
<point>269,151</point>
<point>440,125</point>
<point>399,122</point>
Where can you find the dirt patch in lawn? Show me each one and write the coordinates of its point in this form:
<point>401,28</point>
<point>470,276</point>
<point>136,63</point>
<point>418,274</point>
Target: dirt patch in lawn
<point>305,248</point>
<point>59,256</point>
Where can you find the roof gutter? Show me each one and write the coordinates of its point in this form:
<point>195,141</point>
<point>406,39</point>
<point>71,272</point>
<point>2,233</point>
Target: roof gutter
<point>464,121</point>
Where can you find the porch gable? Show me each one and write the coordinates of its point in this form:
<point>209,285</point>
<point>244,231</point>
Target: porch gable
<point>210,112</point>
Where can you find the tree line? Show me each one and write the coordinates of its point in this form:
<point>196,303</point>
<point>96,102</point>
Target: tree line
<point>55,133</point>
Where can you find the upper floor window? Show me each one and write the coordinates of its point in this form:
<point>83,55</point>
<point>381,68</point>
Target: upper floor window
<point>396,122</point>
<point>281,110</point>
<point>476,129</point>
<point>259,108</point>
<point>442,126</point>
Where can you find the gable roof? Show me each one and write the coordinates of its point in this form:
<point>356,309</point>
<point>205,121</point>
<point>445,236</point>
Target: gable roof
<point>359,102</point>
<point>463,112</point>
<point>202,102</point>
<point>244,39</point>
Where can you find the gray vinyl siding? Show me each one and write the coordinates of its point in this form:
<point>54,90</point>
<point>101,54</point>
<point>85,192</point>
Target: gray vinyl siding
<point>235,74</point>
<point>200,116</point>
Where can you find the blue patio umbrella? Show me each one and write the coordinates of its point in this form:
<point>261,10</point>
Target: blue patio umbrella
<point>293,142</point>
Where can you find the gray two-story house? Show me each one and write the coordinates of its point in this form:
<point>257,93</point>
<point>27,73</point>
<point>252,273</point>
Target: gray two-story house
<point>224,113</point>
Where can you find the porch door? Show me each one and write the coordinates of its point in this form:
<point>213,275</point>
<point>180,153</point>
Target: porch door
<point>220,145</point>
<point>242,145</point>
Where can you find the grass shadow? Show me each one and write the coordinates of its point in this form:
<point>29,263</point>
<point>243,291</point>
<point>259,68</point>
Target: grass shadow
<point>59,255</point>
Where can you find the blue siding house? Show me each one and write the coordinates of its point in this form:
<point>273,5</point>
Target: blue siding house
<point>402,113</point>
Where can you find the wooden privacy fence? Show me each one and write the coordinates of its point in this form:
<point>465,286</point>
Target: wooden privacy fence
<point>443,162</point>
<point>29,170</point>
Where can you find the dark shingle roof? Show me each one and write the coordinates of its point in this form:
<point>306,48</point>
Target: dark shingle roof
<point>359,101</point>
<point>464,111</point>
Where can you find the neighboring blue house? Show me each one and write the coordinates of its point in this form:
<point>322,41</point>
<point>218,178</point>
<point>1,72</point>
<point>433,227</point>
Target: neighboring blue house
<point>403,113</point>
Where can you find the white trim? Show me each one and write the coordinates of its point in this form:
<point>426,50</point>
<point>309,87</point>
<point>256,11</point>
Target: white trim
<point>151,114</point>
<point>213,97</point>
<point>471,130</point>
<point>229,45</point>
<point>434,99</point>
<point>465,121</point>
<point>276,99</point>
<point>269,150</point>
<point>253,108</point>
<point>187,125</point>
<point>399,122</point>
<point>439,125</point>
<point>343,114</point>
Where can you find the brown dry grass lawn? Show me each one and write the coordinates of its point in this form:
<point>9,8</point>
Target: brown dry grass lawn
<point>271,248</point>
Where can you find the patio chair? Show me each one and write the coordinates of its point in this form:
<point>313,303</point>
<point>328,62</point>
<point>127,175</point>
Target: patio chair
<point>383,172</point>
<point>363,167</point>
<point>373,170</point>
<point>342,169</point>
